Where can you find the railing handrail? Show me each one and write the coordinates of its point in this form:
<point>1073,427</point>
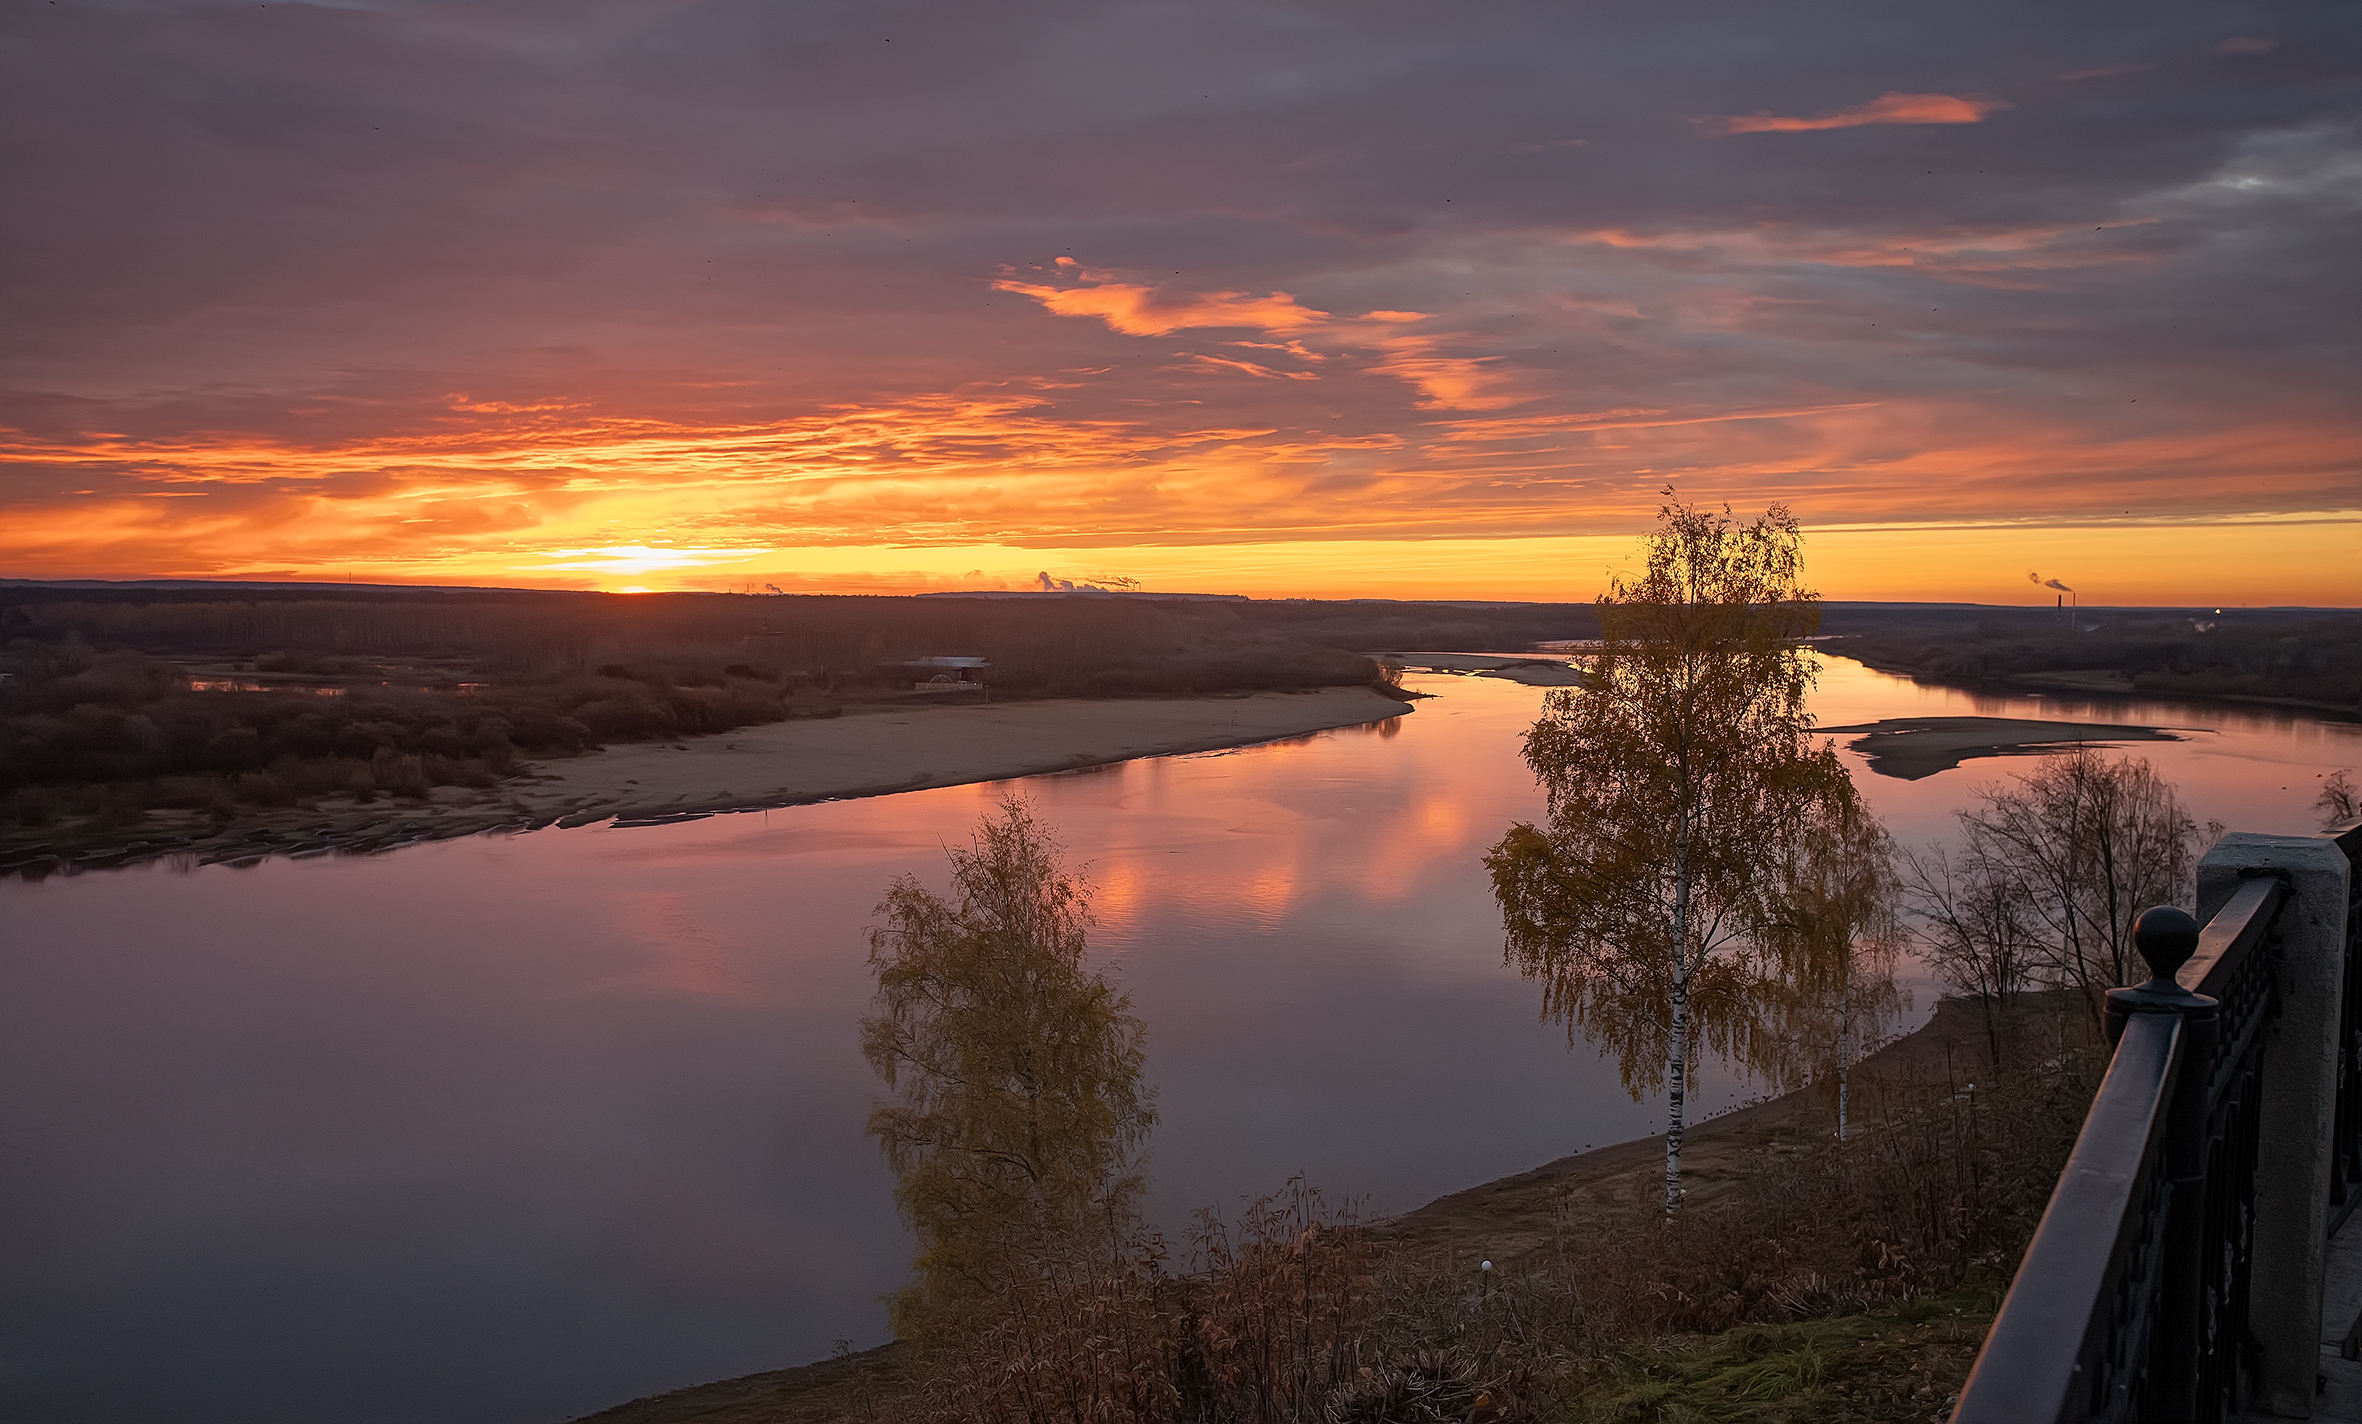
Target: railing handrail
<point>2231,934</point>
<point>2073,1267</point>
<point>2345,1167</point>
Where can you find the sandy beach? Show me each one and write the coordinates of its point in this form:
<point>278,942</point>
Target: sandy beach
<point>868,753</point>
<point>905,749</point>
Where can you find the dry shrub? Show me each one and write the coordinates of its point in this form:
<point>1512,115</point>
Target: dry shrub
<point>1281,1306</point>
<point>456,771</point>
<point>32,806</point>
<point>1431,1387</point>
<point>1080,1334</point>
<point>263,788</point>
<point>1282,1316</point>
<point>402,775</point>
<point>117,807</point>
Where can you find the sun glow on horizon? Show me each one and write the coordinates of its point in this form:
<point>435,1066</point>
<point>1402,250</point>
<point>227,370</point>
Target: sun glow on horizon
<point>633,559</point>
<point>926,495</point>
<point>2283,561</point>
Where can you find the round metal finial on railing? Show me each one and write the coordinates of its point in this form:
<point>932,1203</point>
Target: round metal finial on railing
<point>2166,938</point>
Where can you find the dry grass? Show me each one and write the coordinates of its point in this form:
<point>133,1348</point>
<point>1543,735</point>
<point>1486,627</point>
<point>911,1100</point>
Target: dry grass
<point>1887,1367</point>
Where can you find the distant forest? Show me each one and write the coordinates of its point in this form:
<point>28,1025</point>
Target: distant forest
<point>2312,657</point>
<point>116,702</point>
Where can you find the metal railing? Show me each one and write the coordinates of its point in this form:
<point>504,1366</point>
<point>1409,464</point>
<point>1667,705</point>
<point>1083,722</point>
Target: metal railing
<point>2345,1163</point>
<point>2136,1298</point>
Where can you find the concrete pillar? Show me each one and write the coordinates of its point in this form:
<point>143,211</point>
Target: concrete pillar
<point>2299,1107</point>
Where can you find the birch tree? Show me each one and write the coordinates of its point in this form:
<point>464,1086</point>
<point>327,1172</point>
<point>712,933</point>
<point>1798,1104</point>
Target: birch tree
<point>1673,777</point>
<point>1017,1117</point>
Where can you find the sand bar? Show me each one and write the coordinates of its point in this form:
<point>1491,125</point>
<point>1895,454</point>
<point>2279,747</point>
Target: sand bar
<point>1910,748</point>
<point>867,753</point>
<point>929,745</point>
<point>1527,668</point>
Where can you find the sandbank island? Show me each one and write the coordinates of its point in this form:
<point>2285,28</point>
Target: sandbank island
<point>863,753</point>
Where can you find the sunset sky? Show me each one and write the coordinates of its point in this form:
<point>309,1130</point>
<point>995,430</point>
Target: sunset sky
<point>1320,299</point>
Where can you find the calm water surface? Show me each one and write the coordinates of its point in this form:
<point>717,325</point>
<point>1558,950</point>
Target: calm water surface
<point>504,1131</point>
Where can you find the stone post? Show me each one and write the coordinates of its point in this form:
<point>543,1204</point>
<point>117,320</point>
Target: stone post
<point>2298,1111</point>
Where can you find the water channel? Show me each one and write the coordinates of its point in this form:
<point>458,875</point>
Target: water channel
<point>502,1131</point>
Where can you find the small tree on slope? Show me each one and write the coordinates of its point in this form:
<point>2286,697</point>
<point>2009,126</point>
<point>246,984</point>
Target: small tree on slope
<point>1017,1118</point>
<point>1674,776</point>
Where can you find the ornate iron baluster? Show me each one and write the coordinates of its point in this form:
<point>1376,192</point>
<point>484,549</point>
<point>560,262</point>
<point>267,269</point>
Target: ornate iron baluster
<point>2166,938</point>
<point>2247,981</point>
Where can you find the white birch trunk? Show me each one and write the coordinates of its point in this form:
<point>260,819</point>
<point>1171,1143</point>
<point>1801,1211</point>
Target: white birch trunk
<point>1677,1048</point>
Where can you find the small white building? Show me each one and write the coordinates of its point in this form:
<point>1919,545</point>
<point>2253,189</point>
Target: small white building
<point>947,675</point>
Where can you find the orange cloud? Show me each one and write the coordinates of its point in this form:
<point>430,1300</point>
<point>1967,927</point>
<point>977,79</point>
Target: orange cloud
<point>1889,108</point>
<point>1493,429</point>
<point>1448,382</point>
<point>1139,310</point>
<point>460,400</point>
<point>1296,349</point>
<point>1224,363</point>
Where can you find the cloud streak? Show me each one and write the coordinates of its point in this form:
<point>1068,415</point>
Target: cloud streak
<point>1888,108</point>
<point>1138,310</point>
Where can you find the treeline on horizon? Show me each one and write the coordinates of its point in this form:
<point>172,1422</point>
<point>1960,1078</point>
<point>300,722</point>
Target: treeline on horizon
<point>98,722</point>
<point>1078,646</point>
<point>2306,655</point>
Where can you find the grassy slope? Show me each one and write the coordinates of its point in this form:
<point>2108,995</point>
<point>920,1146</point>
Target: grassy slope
<point>1887,1367</point>
<point>1884,1366</point>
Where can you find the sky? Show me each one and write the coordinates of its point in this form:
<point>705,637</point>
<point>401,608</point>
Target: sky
<point>1374,299</point>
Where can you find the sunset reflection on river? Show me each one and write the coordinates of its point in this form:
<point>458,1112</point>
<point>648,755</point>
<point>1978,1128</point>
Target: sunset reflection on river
<point>506,1130</point>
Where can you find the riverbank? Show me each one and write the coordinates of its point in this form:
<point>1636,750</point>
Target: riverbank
<point>867,753</point>
<point>1510,1221</point>
<point>2091,682</point>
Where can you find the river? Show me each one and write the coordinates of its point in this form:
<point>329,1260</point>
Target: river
<point>502,1131</point>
